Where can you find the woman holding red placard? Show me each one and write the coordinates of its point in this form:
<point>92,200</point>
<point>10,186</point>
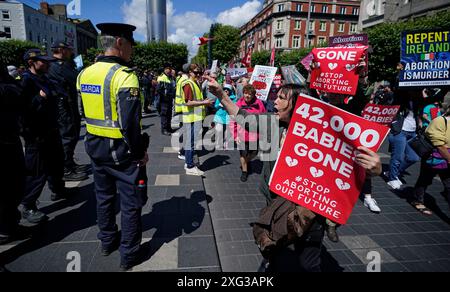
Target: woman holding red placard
<point>304,253</point>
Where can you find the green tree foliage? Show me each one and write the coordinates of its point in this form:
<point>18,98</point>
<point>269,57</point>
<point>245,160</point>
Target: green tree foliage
<point>225,45</point>
<point>91,54</point>
<point>12,51</point>
<point>261,58</point>
<point>153,56</point>
<point>386,42</point>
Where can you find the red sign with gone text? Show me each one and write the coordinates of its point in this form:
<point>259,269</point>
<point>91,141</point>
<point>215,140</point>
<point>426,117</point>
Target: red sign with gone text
<point>316,167</point>
<point>336,70</point>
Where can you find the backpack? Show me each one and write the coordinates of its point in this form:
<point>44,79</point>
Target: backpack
<point>280,224</point>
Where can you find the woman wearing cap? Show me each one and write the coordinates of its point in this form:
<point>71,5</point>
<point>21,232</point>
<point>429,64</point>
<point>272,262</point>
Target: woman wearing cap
<point>222,119</point>
<point>247,141</point>
<point>438,163</point>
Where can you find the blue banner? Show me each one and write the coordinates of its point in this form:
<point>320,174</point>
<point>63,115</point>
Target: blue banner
<point>425,58</point>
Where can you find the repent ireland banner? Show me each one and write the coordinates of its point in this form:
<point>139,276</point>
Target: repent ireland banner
<point>426,58</point>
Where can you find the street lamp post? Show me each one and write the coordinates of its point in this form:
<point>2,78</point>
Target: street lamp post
<point>211,36</point>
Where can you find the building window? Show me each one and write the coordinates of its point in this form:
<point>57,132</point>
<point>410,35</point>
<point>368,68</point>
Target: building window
<point>311,25</point>
<point>31,36</point>
<point>37,21</point>
<point>296,41</point>
<point>323,26</point>
<point>29,19</point>
<point>299,7</point>
<point>355,11</point>
<point>353,27</point>
<point>324,9</point>
<point>298,24</point>
<point>39,39</point>
<point>5,15</point>
<point>341,27</point>
<point>280,24</point>
<point>279,42</point>
<point>343,10</point>
<point>313,8</point>
<point>281,8</point>
<point>322,40</point>
<point>7,30</point>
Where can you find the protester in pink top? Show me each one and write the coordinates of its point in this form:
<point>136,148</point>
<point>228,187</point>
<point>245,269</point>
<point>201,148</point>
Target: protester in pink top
<point>247,141</point>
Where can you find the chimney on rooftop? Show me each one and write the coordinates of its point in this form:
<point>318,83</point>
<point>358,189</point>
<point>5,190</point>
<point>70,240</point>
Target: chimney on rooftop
<point>45,8</point>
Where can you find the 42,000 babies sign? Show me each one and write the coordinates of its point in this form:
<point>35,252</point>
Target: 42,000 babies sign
<point>316,167</point>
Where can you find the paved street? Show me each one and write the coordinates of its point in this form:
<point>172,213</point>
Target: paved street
<point>202,225</point>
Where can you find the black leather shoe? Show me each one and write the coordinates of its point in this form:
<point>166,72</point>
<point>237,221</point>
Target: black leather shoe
<point>244,177</point>
<point>332,234</point>
<point>108,250</point>
<point>34,216</point>
<point>82,168</point>
<point>75,177</point>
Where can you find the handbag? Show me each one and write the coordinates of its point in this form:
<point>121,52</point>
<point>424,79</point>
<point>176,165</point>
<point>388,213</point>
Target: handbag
<point>422,145</point>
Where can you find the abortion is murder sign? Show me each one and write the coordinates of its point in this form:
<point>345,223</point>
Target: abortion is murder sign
<point>426,58</point>
<point>316,167</point>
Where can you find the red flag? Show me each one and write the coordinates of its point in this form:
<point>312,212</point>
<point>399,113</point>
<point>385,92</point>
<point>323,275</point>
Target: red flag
<point>272,58</point>
<point>247,61</point>
<point>204,41</point>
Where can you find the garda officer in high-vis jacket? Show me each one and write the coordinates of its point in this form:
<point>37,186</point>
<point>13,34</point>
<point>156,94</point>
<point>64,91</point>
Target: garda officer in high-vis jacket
<point>111,105</point>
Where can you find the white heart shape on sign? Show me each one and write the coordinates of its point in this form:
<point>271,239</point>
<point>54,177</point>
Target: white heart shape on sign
<point>316,172</point>
<point>332,66</point>
<point>350,67</point>
<point>291,162</point>
<point>343,186</point>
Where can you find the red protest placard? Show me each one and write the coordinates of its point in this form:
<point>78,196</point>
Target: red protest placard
<point>381,114</point>
<point>336,70</point>
<point>316,167</point>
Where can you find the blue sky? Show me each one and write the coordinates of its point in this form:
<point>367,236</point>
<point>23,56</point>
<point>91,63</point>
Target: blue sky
<point>187,19</point>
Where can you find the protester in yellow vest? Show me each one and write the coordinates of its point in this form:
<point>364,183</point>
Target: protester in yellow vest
<point>194,111</point>
<point>109,91</point>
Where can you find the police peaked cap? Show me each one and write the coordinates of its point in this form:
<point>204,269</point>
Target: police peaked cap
<point>117,30</point>
<point>61,44</point>
<point>37,54</point>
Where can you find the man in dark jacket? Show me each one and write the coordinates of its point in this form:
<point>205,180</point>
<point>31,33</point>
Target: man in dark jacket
<point>63,75</point>
<point>12,168</point>
<point>44,155</point>
<point>166,92</point>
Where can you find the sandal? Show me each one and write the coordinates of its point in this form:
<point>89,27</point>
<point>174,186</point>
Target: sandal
<point>422,209</point>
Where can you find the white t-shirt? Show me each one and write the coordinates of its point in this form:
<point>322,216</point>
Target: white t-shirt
<point>410,124</point>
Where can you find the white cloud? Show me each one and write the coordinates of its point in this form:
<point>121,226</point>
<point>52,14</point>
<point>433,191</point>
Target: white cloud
<point>238,16</point>
<point>188,27</point>
<point>134,13</point>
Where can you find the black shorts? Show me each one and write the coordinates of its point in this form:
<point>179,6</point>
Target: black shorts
<point>250,148</point>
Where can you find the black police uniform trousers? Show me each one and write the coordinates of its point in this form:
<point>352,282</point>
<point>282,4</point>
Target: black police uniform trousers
<point>44,161</point>
<point>124,180</point>
<point>69,129</point>
<point>166,114</point>
<point>12,180</point>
